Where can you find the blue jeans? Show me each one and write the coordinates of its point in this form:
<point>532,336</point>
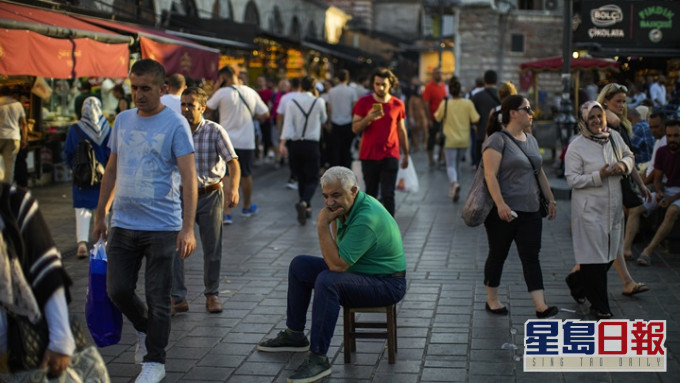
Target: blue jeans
<point>125,251</point>
<point>332,290</point>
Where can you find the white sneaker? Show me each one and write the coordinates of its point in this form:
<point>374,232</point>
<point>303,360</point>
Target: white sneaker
<point>140,348</point>
<point>151,373</point>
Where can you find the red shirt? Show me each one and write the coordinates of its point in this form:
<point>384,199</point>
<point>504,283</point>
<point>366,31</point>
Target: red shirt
<point>266,95</point>
<point>434,94</point>
<point>669,163</point>
<point>380,139</point>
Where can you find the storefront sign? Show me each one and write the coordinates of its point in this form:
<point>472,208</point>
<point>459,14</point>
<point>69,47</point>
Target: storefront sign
<point>191,62</point>
<point>627,24</point>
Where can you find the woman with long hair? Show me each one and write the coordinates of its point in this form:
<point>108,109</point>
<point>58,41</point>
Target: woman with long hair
<point>456,115</point>
<point>595,162</point>
<point>509,159</point>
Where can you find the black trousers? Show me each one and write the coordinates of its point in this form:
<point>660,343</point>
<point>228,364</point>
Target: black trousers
<point>381,175</point>
<point>435,128</point>
<point>478,151</point>
<point>267,143</point>
<point>340,145</point>
<point>592,278</point>
<point>525,231</point>
<point>305,159</point>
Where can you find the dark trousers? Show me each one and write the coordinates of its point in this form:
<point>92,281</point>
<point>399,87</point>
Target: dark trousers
<point>340,145</point>
<point>332,290</point>
<point>126,249</point>
<point>432,134</point>
<point>304,157</point>
<point>266,128</point>
<point>593,279</point>
<point>381,174</point>
<point>525,231</point>
<point>478,151</point>
<point>293,176</point>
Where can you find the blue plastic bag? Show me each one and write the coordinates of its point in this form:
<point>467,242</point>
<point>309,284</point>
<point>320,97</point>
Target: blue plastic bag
<point>103,318</point>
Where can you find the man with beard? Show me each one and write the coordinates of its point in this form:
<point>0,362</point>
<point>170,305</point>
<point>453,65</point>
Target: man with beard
<point>362,265</point>
<point>214,154</point>
<point>666,163</point>
<point>380,118</point>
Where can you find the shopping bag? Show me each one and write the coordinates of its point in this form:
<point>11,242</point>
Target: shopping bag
<point>479,203</point>
<point>407,179</point>
<point>103,318</point>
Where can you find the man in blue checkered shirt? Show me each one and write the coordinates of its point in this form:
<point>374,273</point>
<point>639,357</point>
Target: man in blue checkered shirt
<point>214,155</point>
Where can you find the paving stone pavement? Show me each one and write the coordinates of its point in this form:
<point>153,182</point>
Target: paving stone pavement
<point>444,333</point>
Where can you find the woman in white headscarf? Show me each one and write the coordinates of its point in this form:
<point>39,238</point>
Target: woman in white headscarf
<point>93,127</point>
<point>595,162</point>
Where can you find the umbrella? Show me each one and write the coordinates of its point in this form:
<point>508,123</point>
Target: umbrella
<point>554,64</point>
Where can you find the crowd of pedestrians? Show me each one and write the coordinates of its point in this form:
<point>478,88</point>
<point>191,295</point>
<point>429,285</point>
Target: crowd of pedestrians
<point>179,156</point>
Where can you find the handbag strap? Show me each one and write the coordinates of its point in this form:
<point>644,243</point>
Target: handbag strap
<point>527,156</point>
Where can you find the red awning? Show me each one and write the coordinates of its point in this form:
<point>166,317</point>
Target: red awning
<point>28,53</point>
<point>177,54</point>
<point>555,64</point>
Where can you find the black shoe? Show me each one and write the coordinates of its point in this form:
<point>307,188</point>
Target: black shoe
<point>313,368</point>
<point>301,208</point>
<point>501,311</point>
<point>284,342</point>
<point>548,313</point>
<point>575,291</point>
<point>600,315</point>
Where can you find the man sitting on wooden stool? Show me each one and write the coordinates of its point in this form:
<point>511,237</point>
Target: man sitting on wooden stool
<point>363,265</point>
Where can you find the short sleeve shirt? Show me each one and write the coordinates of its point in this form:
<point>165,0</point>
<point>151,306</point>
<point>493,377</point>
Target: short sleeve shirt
<point>669,163</point>
<point>147,180</point>
<point>341,99</point>
<point>236,114</point>
<point>515,174</point>
<point>11,111</point>
<point>369,240</point>
<point>381,138</point>
<point>434,94</point>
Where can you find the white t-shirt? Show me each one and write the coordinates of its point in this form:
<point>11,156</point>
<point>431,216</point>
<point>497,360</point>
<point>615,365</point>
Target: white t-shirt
<point>11,111</point>
<point>657,92</point>
<point>281,109</point>
<point>235,117</point>
<point>173,102</point>
<point>341,98</point>
<point>294,120</point>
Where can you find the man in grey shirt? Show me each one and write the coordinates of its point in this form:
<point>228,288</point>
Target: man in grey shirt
<point>341,99</point>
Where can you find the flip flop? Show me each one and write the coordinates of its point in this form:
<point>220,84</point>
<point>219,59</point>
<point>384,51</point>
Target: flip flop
<point>644,260</point>
<point>639,288</point>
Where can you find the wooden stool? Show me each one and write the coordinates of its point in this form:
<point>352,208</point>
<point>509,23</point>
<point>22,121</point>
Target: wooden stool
<point>351,334</point>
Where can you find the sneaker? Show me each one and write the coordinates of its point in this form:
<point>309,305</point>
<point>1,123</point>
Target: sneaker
<point>226,219</point>
<point>151,373</point>
<point>252,210</point>
<point>301,208</point>
<point>284,342</point>
<point>313,368</point>
<point>140,348</point>
<point>292,184</point>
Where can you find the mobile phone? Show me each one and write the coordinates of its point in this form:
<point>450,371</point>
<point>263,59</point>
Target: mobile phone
<point>513,214</point>
<point>377,107</point>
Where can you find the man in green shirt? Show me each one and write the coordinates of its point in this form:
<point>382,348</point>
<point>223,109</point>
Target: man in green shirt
<point>363,265</point>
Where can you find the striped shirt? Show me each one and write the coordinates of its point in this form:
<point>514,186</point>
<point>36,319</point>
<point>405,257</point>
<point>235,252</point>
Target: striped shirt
<point>213,150</point>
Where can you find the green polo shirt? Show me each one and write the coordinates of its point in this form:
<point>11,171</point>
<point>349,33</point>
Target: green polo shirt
<point>369,240</point>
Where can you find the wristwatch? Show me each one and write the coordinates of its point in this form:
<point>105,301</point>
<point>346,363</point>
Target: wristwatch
<point>554,202</point>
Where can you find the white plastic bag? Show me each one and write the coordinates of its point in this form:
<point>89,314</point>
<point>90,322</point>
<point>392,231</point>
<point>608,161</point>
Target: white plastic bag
<point>407,179</point>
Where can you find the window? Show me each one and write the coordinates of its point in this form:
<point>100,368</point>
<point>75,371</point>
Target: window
<point>517,43</point>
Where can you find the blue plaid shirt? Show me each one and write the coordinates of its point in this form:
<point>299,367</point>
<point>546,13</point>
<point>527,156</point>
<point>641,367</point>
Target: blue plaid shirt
<point>642,141</point>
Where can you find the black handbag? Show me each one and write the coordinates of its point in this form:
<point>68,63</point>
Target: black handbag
<point>630,191</point>
<point>543,203</point>
<point>27,342</point>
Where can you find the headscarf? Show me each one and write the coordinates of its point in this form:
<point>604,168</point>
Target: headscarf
<point>602,137</point>
<point>93,123</point>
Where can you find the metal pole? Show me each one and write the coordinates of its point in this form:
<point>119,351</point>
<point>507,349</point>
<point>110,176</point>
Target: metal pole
<point>565,121</point>
<point>441,31</point>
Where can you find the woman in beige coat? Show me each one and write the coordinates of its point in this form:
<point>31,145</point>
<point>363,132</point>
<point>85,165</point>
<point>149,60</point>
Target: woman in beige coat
<point>594,171</point>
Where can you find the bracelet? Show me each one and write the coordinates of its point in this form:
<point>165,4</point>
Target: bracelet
<point>554,202</point>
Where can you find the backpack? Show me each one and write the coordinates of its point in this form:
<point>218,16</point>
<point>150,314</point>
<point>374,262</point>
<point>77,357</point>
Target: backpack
<point>87,171</point>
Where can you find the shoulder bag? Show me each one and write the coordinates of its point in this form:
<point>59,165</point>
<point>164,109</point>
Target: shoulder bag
<point>632,197</point>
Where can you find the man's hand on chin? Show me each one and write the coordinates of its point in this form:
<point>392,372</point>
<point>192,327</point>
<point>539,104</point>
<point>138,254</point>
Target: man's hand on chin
<point>326,215</point>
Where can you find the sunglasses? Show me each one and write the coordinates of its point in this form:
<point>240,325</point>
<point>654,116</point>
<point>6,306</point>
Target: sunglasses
<point>616,88</point>
<point>526,109</point>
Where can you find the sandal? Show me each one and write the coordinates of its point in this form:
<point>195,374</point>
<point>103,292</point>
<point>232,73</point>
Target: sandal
<point>639,288</point>
<point>644,260</point>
